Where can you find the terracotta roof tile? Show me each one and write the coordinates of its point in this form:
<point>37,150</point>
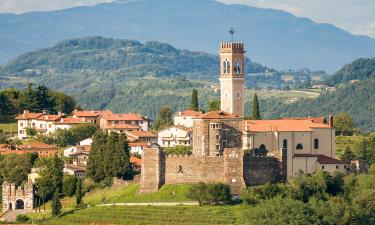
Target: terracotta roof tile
<point>139,133</point>
<point>139,144</point>
<point>218,115</point>
<point>91,113</point>
<point>323,159</point>
<point>135,160</point>
<point>281,125</point>
<point>313,119</point>
<point>189,112</point>
<point>121,126</point>
<point>123,117</point>
<point>71,121</point>
<point>28,116</point>
<point>36,145</point>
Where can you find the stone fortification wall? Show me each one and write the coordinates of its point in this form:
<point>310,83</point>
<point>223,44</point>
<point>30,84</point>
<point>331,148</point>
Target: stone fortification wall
<point>260,170</point>
<point>14,197</point>
<point>190,169</point>
<point>152,168</point>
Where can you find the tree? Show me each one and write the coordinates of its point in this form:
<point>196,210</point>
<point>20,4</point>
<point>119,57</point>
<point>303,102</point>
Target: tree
<point>43,98</point>
<point>348,154</point>
<point>63,102</point>
<point>28,100</point>
<point>50,170</point>
<point>194,101</point>
<point>164,118</point>
<point>256,112</point>
<point>30,131</point>
<point>344,123</point>
<point>198,192</point>
<point>109,157</point>
<point>218,193</point>
<point>6,107</point>
<point>56,205</point>
<point>214,105</point>
<point>15,168</point>
<point>79,194</point>
<point>69,185</point>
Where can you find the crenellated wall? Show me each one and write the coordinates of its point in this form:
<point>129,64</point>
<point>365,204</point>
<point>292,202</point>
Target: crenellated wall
<point>14,197</point>
<point>232,168</point>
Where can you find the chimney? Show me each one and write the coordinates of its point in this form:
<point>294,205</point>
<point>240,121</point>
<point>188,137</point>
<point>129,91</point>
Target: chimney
<point>25,112</point>
<point>179,113</point>
<point>45,112</point>
<point>62,119</point>
<point>59,113</point>
<point>330,120</point>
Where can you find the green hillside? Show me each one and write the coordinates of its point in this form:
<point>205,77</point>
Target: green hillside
<point>357,99</point>
<point>360,69</point>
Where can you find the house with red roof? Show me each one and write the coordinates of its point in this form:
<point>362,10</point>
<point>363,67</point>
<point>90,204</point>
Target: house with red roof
<point>134,119</point>
<point>175,135</point>
<point>185,118</point>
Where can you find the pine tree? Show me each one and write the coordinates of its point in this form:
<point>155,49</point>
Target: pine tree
<point>56,205</point>
<point>79,194</point>
<point>256,112</point>
<point>194,100</point>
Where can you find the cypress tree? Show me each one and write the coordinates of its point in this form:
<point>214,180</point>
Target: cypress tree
<point>256,113</point>
<point>56,205</point>
<point>194,100</point>
<point>79,194</point>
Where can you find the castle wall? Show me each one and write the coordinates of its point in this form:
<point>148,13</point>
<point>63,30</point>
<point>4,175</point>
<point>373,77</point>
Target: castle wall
<point>152,170</point>
<point>260,170</point>
<point>11,194</point>
<point>190,169</point>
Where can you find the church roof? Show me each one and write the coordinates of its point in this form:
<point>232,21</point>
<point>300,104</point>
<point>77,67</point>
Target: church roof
<point>282,125</point>
<point>218,115</point>
<point>188,112</point>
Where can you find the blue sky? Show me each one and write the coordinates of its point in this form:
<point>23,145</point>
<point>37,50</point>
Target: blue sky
<point>356,16</point>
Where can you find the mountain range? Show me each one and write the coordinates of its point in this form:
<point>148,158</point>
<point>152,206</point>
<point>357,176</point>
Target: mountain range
<point>272,37</point>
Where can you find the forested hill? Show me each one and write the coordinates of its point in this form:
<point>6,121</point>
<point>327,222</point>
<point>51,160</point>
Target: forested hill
<point>360,69</point>
<point>123,58</point>
<point>356,98</point>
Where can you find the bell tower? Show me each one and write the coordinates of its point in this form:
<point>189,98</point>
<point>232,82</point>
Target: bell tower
<point>232,77</point>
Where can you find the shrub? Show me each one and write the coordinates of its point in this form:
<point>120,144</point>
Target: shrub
<point>212,193</point>
<point>22,218</point>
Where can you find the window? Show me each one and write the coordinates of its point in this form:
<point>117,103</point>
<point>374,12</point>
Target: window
<point>49,125</point>
<point>180,169</point>
<point>299,146</point>
<point>337,166</point>
<point>237,67</point>
<point>228,67</point>
<point>316,143</point>
<point>224,144</point>
<point>217,147</point>
<point>262,147</point>
<point>21,124</point>
<point>285,144</point>
<point>225,67</point>
<point>217,137</point>
<point>322,167</point>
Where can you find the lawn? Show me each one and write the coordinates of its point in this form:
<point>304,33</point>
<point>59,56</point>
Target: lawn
<point>5,127</point>
<point>168,193</point>
<point>156,215</point>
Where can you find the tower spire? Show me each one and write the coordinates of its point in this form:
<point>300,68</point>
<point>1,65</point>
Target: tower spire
<point>231,32</point>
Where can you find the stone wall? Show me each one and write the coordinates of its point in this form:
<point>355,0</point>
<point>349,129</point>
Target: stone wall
<point>152,166</point>
<point>16,196</point>
<point>260,170</point>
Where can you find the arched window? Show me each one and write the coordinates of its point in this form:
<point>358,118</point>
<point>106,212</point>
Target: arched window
<point>238,67</point>
<point>225,67</point>
<point>285,143</point>
<point>262,147</point>
<point>228,67</point>
<point>299,146</point>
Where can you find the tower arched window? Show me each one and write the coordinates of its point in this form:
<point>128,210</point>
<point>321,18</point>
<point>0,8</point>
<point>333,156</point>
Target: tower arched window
<point>225,67</point>
<point>238,67</point>
<point>299,146</point>
<point>228,67</point>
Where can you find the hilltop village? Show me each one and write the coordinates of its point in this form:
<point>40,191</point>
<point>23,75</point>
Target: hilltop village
<point>223,145</point>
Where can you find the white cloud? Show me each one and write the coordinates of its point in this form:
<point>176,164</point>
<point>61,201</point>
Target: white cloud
<point>22,6</point>
<point>356,16</point>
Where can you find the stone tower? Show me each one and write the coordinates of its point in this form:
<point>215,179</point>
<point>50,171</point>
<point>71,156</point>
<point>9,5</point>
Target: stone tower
<point>232,77</point>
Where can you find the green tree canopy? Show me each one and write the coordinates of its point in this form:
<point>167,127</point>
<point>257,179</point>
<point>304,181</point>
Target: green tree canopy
<point>214,105</point>
<point>256,112</point>
<point>194,100</point>
<point>344,123</point>
<point>164,118</point>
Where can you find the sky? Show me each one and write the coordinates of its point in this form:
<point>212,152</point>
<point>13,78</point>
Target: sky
<point>355,16</point>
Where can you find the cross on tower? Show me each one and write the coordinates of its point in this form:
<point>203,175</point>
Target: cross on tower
<point>232,31</point>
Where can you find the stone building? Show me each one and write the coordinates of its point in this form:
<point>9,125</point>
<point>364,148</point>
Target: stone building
<point>229,149</point>
<point>21,197</point>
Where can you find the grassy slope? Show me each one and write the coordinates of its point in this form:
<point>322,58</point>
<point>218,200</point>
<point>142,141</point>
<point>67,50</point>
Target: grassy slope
<point>136,215</point>
<point>352,141</point>
<point>5,127</point>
